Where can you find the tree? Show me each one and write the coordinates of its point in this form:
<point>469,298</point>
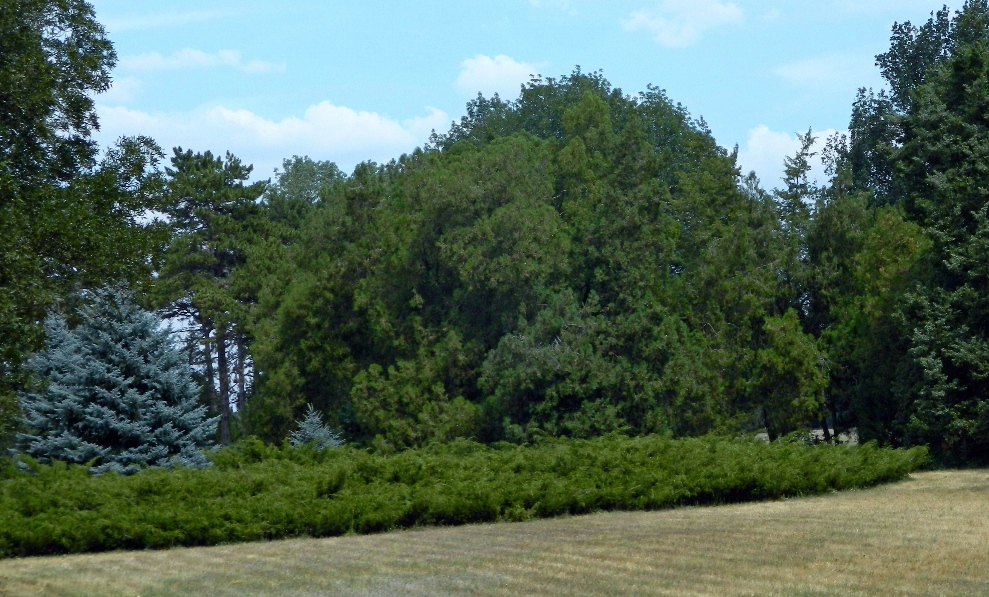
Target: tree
<point>795,203</point>
<point>907,324</point>
<point>312,431</point>
<point>577,261</point>
<point>55,55</point>
<point>115,392</point>
<point>789,376</point>
<point>943,158</point>
<point>301,184</point>
<point>308,337</point>
<point>66,221</point>
<point>211,211</point>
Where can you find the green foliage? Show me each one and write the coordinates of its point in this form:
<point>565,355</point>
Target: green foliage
<point>788,375</point>
<point>308,341</point>
<point>574,262</point>
<point>209,208</point>
<point>567,374</point>
<point>259,492</point>
<point>911,328</point>
<point>46,118</point>
<point>298,187</point>
<point>947,133</point>
<point>902,312</point>
<point>213,214</point>
<point>864,261</point>
<point>66,221</point>
<point>408,405</point>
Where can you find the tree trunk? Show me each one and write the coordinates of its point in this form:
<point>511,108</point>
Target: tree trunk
<point>223,372</point>
<point>241,373</point>
<point>770,428</point>
<point>214,406</point>
<point>833,407</point>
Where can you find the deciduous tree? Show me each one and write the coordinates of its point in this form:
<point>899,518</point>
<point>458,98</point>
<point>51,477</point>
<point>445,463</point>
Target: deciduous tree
<point>66,220</point>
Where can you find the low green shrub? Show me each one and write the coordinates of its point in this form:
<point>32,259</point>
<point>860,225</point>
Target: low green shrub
<point>259,492</point>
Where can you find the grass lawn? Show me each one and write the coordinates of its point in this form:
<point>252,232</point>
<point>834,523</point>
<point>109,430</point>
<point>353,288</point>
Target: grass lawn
<point>928,535</point>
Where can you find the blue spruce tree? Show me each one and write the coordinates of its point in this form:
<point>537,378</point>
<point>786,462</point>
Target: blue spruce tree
<point>115,391</point>
<point>311,431</point>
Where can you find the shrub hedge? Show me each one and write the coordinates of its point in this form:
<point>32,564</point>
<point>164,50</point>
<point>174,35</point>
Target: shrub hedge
<point>258,492</point>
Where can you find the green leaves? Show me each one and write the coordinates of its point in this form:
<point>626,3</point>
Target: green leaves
<point>907,321</point>
<point>944,156</point>
<point>66,221</point>
<point>54,55</point>
<point>590,252</point>
<point>215,224</point>
<point>418,401</point>
<point>789,375</point>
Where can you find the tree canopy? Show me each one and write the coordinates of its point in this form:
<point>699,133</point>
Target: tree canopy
<point>916,344</point>
<point>68,219</point>
<point>575,262</point>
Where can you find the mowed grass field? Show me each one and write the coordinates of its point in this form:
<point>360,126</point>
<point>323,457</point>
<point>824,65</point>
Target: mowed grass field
<point>928,535</point>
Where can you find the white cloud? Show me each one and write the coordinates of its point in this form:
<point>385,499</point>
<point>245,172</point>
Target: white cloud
<point>680,23</point>
<point>159,20</point>
<point>501,75</point>
<point>123,90</point>
<point>885,6</point>
<point>827,71</point>
<point>324,131</point>
<point>190,58</point>
<point>558,4</point>
<point>766,149</point>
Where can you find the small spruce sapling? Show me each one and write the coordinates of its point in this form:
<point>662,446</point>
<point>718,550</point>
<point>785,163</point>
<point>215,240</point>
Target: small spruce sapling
<point>313,432</point>
<point>115,391</point>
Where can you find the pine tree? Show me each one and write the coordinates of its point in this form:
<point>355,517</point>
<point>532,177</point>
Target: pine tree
<point>119,393</point>
<point>213,213</point>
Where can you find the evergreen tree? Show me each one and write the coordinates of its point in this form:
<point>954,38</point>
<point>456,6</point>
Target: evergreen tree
<point>119,393</point>
<point>575,262</point>
<point>312,431</point>
<point>213,213</point>
<point>908,332</point>
<point>943,161</point>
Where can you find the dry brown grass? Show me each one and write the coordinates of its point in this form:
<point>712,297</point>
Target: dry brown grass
<point>928,535</point>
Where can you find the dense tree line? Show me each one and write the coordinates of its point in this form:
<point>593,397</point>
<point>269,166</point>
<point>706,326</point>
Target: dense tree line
<point>916,157</point>
<point>574,262</point>
<point>69,218</point>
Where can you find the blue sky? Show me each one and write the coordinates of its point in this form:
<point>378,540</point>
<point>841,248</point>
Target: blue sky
<point>352,81</point>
